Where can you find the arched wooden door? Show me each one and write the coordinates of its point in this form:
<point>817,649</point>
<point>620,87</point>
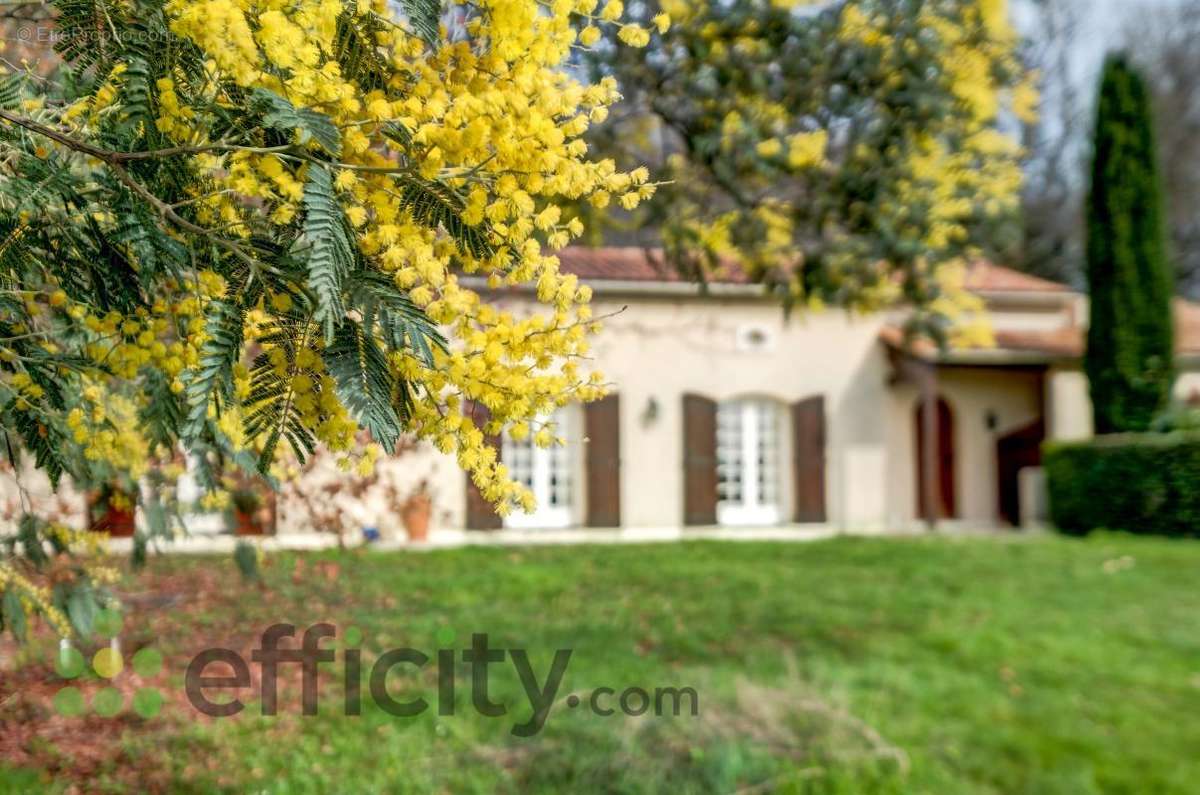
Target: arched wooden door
<point>943,464</point>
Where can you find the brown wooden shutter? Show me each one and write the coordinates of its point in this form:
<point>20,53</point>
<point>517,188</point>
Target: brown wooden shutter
<point>602,427</point>
<point>943,489</point>
<point>699,460</point>
<point>480,513</point>
<point>808,458</point>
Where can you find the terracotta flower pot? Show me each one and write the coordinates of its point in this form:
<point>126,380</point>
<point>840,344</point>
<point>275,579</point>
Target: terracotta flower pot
<point>415,515</point>
<point>117,522</point>
<point>248,523</point>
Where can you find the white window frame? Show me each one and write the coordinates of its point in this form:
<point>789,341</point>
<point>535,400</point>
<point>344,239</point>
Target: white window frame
<point>752,509</point>
<point>544,463</point>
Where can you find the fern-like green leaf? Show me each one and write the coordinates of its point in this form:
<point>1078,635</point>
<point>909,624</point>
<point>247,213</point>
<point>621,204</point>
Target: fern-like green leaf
<point>423,16</point>
<point>435,204</point>
<point>279,114</point>
<point>397,132</point>
<point>330,254</point>
<point>272,411</point>
<point>45,441</point>
<point>12,614</point>
<point>246,558</point>
<point>137,97</point>
<point>364,382</point>
<point>10,90</point>
<point>356,52</point>
<point>214,375</point>
<point>401,323</point>
<point>85,32</point>
<point>156,252</point>
<point>162,416</point>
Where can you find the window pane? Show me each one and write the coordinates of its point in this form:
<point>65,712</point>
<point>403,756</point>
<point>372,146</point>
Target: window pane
<point>748,428</point>
<point>560,476</point>
<point>544,471</point>
<point>729,452</point>
<point>767,449</point>
<point>518,456</point>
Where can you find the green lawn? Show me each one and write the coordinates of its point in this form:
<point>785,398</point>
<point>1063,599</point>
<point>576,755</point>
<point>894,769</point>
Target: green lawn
<point>853,666</point>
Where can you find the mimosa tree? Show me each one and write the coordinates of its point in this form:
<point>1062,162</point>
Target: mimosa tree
<point>238,228</point>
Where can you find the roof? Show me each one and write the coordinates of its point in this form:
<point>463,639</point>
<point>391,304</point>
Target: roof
<point>638,264</point>
<point>1071,341</point>
<point>633,264</point>
<point>1068,342</point>
<point>987,277</point>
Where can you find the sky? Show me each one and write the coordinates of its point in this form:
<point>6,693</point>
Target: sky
<point>1101,28</point>
<point>1102,23</point>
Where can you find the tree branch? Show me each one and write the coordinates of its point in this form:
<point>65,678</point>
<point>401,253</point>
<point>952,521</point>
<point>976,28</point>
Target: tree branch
<point>114,162</point>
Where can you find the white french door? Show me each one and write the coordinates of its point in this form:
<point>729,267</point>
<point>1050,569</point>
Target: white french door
<point>748,473</point>
<point>547,473</point>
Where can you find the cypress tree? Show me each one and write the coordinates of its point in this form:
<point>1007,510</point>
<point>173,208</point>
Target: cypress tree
<point>1130,345</point>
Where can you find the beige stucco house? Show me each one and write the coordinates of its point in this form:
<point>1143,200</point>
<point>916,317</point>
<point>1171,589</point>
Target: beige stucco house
<point>726,412</point>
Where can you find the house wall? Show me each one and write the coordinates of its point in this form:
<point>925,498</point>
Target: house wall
<point>327,499</point>
<point>659,348</point>
<point>656,349</point>
<point>1069,405</point>
<point>27,489</point>
<point>1187,385</point>
<point>1039,317</point>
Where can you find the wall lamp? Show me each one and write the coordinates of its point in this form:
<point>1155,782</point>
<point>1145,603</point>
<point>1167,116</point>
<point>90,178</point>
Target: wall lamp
<point>650,413</point>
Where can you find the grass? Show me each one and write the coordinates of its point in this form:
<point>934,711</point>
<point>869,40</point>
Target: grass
<point>1042,665</point>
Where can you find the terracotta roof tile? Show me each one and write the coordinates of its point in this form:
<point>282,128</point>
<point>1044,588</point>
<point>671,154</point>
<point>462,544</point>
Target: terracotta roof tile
<point>637,264</point>
<point>1066,342</point>
<point>1070,341</point>
<point>985,276</point>
<point>631,264</point>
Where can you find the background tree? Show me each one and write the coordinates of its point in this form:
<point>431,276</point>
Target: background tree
<point>1163,44</point>
<point>1130,346</point>
<point>1160,38</point>
<point>843,153</point>
<point>1055,142</point>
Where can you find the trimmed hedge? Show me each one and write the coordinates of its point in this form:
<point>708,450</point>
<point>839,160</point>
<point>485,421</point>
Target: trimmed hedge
<point>1138,483</point>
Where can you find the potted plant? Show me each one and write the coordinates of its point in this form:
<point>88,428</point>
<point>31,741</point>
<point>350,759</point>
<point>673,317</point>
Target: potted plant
<point>415,513</point>
<point>365,504</point>
<point>111,510</point>
<point>248,512</point>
